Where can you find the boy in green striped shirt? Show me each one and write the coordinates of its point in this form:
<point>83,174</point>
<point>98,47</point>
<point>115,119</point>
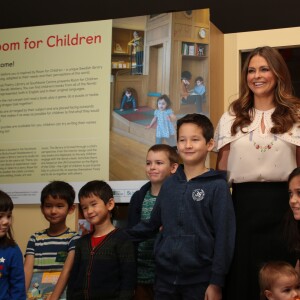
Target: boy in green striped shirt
<point>53,249</point>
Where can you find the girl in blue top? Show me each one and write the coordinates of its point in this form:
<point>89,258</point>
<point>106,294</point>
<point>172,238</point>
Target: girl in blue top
<point>164,116</point>
<point>12,279</point>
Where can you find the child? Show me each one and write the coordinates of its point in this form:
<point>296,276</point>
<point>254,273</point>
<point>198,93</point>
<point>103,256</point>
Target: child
<point>278,280</point>
<point>194,208</point>
<point>292,218</point>
<point>52,249</point>
<point>199,87</point>
<point>128,100</point>
<point>199,90</point>
<point>138,43</point>
<point>161,162</point>
<point>104,265</point>
<point>164,116</point>
<point>12,280</point>
<point>185,82</point>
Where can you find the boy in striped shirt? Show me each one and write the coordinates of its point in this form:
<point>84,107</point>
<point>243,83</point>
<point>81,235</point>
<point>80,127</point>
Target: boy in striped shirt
<point>53,249</point>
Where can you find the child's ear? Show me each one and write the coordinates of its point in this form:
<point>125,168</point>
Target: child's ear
<point>210,145</point>
<point>71,209</point>
<point>268,294</point>
<point>174,167</point>
<point>110,204</point>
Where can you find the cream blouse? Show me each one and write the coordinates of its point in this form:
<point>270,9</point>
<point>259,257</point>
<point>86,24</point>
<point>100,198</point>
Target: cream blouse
<point>254,155</point>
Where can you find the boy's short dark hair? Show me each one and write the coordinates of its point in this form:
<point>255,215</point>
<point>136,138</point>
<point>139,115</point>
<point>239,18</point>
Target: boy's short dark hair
<point>186,75</point>
<point>201,121</point>
<point>98,188</point>
<point>171,151</point>
<point>58,190</point>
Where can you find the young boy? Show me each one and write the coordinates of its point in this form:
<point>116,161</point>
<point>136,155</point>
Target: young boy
<point>104,265</point>
<point>279,280</point>
<point>161,162</point>
<point>194,208</point>
<point>52,249</point>
<point>199,90</point>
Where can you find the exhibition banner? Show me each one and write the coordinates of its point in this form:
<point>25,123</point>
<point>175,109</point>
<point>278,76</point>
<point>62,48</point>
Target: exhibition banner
<point>54,106</point>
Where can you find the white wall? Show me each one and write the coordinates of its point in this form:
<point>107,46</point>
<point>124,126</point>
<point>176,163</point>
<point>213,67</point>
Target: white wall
<point>244,41</point>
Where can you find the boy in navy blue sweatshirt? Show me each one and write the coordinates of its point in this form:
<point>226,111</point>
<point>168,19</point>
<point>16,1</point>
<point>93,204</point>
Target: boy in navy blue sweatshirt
<point>194,207</point>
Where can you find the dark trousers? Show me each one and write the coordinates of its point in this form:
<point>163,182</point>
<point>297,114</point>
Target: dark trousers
<point>144,292</point>
<point>167,291</point>
<point>260,208</point>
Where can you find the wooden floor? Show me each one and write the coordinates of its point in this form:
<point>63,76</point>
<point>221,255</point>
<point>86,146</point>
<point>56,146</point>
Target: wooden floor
<point>127,158</point>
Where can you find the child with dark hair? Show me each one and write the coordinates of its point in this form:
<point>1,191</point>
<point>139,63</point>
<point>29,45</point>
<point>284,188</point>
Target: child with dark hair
<point>164,117</point>
<point>12,279</point>
<point>104,265</point>
<point>195,213</point>
<point>52,249</point>
<point>292,217</point>
<point>185,82</point>
<point>128,101</point>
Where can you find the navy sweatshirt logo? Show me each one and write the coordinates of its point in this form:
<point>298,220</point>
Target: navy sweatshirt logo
<point>198,195</point>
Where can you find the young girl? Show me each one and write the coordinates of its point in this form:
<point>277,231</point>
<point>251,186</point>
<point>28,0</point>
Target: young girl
<point>292,228</point>
<point>279,280</point>
<point>12,279</point>
<point>164,116</point>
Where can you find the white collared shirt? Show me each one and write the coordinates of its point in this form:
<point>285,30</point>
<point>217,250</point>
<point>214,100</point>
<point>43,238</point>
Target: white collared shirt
<point>254,155</point>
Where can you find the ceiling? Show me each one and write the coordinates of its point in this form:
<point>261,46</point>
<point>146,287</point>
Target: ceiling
<point>229,16</point>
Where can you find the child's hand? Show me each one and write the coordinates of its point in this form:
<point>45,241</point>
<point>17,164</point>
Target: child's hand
<point>172,118</point>
<point>213,292</point>
<point>148,126</point>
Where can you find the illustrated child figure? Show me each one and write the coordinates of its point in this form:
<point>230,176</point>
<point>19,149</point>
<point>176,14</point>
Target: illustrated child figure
<point>104,265</point>
<point>53,249</point>
<point>12,279</point>
<point>35,292</point>
<point>138,43</point>
<point>161,162</point>
<point>128,100</point>
<point>194,210</point>
<point>279,280</point>
<point>185,82</point>
<point>164,116</point>
<point>199,89</point>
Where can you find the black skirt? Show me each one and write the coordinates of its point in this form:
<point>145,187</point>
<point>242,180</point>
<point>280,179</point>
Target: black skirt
<point>260,208</point>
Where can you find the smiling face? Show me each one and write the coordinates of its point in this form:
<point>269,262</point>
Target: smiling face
<point>260,78</point>
<point>158,166</point>
<point>191,144</point>
<point>294,194</point>
<point>55,210</point>
<point>5,222</point>
<point>95,210</point>
<point>285,287</point>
